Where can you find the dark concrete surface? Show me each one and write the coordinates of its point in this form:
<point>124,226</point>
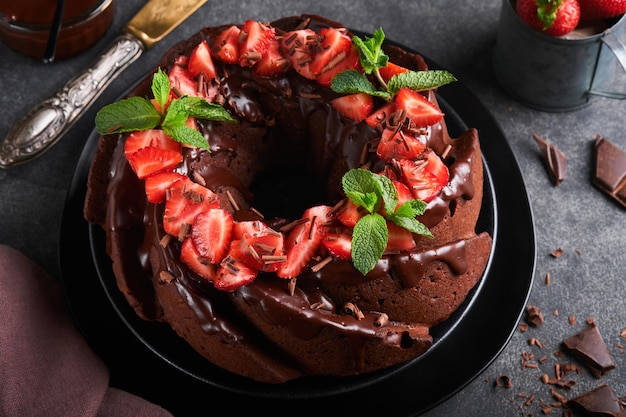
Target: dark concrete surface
<point>586,281</point>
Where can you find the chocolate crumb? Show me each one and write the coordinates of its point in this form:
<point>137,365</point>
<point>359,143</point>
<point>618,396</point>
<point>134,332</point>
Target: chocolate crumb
<point>504,381</point>
<point>610,170</point>
<point>534,316</point>
<point>555,160</point>
<point>556,253</point>
<point>589,348</point>
<point>600,401</point>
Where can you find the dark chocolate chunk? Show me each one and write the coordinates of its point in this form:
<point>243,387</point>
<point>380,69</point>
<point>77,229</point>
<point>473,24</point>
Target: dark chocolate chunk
<point>534,316</point>
<point>600,401</point>
<point>610,169</point>
<point>554,159</point>
<point>589,348</point>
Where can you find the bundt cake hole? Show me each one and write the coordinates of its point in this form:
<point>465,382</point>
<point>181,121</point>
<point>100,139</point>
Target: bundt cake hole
<point>288,196</point>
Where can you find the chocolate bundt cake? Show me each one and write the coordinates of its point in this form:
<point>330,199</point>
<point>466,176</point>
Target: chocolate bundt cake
<point>264,249</point>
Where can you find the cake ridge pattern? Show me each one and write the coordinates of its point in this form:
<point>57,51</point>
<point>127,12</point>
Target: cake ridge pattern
<point>326,320</point>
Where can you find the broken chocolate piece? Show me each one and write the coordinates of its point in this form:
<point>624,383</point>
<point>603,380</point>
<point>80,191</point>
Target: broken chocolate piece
<point>589,348</point>
<point>555,160</point>
<point>600,401</point>
<point>534,316</point>
<point>610,169</point>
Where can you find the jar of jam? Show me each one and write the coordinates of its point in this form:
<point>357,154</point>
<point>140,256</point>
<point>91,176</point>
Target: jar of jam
<point>25,25</point>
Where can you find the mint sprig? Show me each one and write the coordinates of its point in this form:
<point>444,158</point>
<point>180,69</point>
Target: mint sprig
<point>373,59</point>
<point>370,234</point>
<point>138,113</point>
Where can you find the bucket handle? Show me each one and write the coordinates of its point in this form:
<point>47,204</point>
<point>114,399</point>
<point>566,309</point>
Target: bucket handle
<point>619,50</point>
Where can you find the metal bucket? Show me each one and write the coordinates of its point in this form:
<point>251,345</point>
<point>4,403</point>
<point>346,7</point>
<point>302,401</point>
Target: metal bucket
<point>557,74</point>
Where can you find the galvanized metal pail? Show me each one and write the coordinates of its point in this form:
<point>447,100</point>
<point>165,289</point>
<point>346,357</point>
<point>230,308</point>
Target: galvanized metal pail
<point>558,74</point>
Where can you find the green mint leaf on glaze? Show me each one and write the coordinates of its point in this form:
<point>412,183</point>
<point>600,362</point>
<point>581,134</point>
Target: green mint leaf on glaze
<point>128,115</point>
<point>210,111</point>
<point>188,136</point>
<point>373,58</point>
<point>370,234</point>
<point>161,88</point>
<point>419,80</point>
<point>369,240</point>
<point>371,52</point>
<point>353,81</point>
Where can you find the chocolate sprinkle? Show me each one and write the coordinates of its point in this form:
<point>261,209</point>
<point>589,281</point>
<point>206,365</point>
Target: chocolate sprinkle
<point>534,316</point>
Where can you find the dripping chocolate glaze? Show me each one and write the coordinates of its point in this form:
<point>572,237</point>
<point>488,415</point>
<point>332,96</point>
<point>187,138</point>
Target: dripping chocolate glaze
<point>286,113</point>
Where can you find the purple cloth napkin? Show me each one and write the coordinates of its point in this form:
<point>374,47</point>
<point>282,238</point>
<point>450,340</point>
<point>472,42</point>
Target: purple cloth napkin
<point>46,367</point>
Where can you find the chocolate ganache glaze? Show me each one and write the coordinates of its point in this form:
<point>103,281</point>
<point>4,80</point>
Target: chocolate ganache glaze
<point>288,152</point>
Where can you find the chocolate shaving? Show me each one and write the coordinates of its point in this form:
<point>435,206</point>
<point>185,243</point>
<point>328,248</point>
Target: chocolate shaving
<point>534,316</point>
<point>589,348</point>
<point>554,159</point>
<point>610,170</point>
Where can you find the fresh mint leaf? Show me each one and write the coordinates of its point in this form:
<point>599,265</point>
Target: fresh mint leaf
<point>419,80</point>
<point>411,208</point>
<point>370,234</point>
<point>353,81</point>
<point>210,111</point>
<point>161,88</point>
<point>411,224</point>
<point>369,239</point>
<point>387,192</point>
<point>371,52</point>
<point>127,115</point>
<point>188,136</point>
<point>177,113</point>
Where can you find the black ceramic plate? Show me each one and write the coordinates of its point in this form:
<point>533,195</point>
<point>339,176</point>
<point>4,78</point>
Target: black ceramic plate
<point>149,360</point>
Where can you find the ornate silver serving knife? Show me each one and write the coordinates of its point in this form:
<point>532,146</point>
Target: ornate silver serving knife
<point>46,123</point>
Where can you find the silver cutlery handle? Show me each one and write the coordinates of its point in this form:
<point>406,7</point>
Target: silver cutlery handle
<point>45,123</point>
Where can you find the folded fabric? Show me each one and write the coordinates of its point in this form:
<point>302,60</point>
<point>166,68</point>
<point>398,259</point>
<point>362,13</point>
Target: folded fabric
<point>46,367</point>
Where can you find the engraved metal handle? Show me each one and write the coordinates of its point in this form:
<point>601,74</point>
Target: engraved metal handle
<point>45,123</point>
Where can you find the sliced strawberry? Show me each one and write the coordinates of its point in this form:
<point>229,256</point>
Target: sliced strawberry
<point>400,239</point>
<point>299,46</point>
<point>194,260</point>
<point>261,250</point>
<point>200,61</point>
<point>149,160</point>
<point>335,45</point>
<point>226,46</point>
<point>254,40</point>
<point>211,232</point>
<point>355,106</point>
<point>390,70</point>
<point>352,61</point>
<point>398,144</point>
<point>303,242</point>
<point>185,200</point>
<point>272,62</point>
<point>157,184</point>
<point>339,243</point>
<point>154,138</point>
<point>248,226</point>
<point>378,118</point>
<point>232,274</point>
<point>349,214</point>
<point>418,109</point>
<point>425,177</point>
<point>181,80</point>
<point>404,194</point>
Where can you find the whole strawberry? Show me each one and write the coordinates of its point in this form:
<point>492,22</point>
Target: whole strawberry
<point>552,17</point>
<point>601,9</point>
